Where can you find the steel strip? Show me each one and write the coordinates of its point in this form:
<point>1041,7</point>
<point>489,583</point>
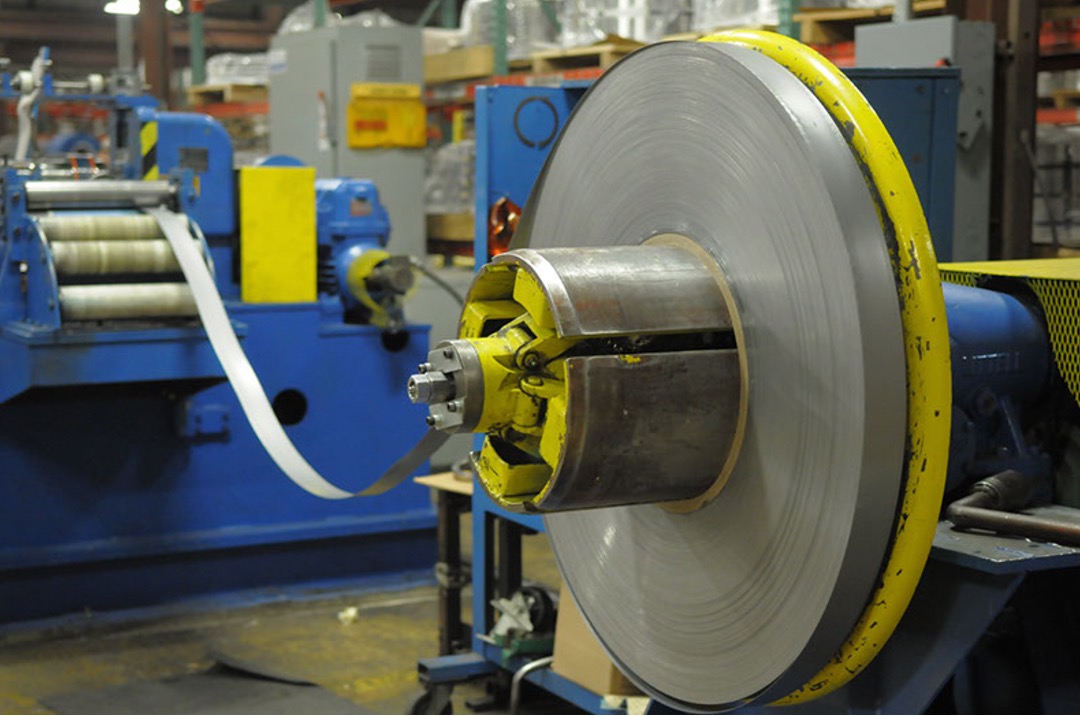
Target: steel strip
<point>248,387</point>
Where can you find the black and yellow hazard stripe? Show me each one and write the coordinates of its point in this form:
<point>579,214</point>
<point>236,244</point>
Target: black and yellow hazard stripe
<point>148,136</point>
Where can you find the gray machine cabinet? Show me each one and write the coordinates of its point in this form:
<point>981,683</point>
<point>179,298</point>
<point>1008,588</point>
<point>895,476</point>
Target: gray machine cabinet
<point>311,75</point>
<point>969,45</point>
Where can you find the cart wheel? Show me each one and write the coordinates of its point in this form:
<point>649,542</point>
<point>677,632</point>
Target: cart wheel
<point>434,700</point>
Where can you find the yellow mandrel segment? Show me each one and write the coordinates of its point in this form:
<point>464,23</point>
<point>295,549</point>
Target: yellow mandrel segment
<point>524,390</point>
<point>528,292</point>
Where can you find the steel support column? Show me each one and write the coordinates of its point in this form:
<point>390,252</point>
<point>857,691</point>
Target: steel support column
<point>1013,179</point>
<point>155,48</point>
<point>198,47</point>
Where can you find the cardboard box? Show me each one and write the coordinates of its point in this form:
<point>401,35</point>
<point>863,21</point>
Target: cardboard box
<point>579,656</point>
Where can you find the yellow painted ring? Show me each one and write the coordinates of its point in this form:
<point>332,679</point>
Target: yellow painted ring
<point>926,343</point>
<point>355,279</point>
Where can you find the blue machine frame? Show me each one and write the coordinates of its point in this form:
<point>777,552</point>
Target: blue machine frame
<point>131,475</point>
<point>969,579</point>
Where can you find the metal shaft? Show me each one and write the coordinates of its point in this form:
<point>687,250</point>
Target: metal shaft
<point>100,194</point>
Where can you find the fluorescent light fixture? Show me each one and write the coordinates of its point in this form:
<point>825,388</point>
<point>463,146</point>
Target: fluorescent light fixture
<point>131,7</point>
<point>122,7</point>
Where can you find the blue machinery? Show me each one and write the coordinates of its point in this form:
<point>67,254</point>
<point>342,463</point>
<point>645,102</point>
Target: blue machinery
<point>1012,355</point>
<point>131,477</point>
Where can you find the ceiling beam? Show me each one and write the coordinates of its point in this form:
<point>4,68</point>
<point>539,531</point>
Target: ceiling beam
<point>98,28</point>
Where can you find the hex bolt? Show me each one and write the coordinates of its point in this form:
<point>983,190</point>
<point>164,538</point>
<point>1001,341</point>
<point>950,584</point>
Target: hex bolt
<point>452,406</point>
<point>423,368</point>
<point>432,387</point>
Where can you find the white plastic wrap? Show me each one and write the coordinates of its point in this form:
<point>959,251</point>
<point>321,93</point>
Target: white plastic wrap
<point>232,68</point>
<point>528,28</point>
<point>448,188</point>
<point>438,40</point>
<point>302,19</point>
<point>370,18</point>
<point>712,14</point>
<point>587,21</point>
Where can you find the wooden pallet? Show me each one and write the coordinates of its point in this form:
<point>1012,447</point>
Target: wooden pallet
<point>828,25</point>
<point>466,63</point>
<point>450,227</point>
<point>1065,98</point>
<point>450,235</point>
<point>216,94</point>
<point>694,36</point>
<point>603,56</point>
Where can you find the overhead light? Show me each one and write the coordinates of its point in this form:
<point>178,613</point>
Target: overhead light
<point>122,7</point>
<point>131,7</point>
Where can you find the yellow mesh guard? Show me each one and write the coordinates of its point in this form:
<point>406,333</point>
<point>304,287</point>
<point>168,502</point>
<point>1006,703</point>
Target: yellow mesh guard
<point>1056,283</point>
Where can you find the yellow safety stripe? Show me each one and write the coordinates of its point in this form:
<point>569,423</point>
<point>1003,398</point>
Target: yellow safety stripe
<point>148,136</point>
<point>926,342</point>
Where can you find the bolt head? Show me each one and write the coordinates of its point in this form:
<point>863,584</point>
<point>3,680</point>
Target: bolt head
<point>423,368</point>
<point>430,420</point>
<point>448,352</point>
<point>452,406</point>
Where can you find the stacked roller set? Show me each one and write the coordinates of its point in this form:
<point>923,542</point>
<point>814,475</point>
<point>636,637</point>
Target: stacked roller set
<point>103,248</point>
<point>109,261</point>
<point>176,334</point>
<point>721,370</point>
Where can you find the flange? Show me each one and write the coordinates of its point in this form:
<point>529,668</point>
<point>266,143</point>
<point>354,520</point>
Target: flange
<point>748,597</point>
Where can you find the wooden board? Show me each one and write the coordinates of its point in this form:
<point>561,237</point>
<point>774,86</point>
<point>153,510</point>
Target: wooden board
<point>446,481</point>
<point>215,94</point>
<point>450,227</point>
<point>1064,98</point>
<point>827,25</point>
<point>603,56</point>
<point>462,64</point>
<point>466,63</point>
<point>694,36</point>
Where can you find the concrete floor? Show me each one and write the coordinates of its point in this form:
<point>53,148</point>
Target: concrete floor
<point>370,661</point>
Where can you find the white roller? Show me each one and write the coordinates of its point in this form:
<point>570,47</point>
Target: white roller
<point>73,226</point>
<point>100,258</point>
<point>126,300</point>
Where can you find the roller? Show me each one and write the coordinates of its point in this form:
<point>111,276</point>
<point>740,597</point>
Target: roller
<point>120,245</point>
<point>71,226</point>
<point>97,258</point>
<point>763,550</point>
<point>125,301</point>
<point>48,194</point>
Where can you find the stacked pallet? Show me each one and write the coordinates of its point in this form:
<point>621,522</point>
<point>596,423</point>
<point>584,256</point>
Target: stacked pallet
<point>820,26</point>
<point>243,109</point>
